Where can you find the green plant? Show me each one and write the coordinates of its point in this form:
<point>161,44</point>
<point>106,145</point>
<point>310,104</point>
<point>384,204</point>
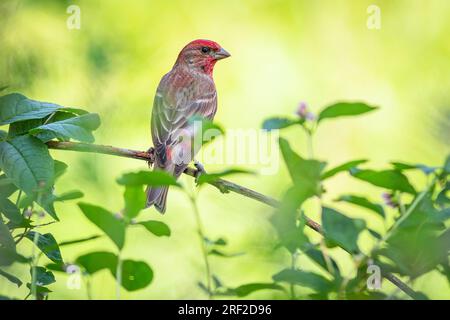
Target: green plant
<point>414,243</point>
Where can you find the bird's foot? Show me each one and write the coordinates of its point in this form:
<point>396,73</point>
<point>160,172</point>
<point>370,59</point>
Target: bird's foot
<point>151,153</point>
<point>200,170</point>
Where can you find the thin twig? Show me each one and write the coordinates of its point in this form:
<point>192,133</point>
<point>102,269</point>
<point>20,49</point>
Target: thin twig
<point>221,184</point>
<point>21,236</point>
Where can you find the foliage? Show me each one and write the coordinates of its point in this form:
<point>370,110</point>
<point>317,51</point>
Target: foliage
<point>30,174</point>
<point>416,242</point>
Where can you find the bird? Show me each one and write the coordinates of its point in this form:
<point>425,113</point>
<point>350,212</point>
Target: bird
<point>186,91</point>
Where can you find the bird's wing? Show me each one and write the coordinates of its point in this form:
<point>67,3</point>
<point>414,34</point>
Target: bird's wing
<point>177,100</point>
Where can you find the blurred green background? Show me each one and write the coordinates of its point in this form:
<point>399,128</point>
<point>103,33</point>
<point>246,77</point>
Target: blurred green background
<point>283,52</point>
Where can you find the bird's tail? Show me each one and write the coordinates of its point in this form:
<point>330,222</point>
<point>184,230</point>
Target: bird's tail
<point>157,196</point>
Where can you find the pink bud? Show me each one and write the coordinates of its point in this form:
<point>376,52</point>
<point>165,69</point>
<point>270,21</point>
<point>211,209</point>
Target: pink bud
<point>302,110</point>
<point>389,200</point>
<point>304,113</point>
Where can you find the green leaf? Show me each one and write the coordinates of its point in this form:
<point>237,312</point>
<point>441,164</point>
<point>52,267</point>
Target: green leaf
<point>78,128</point>
<point>216,281</point>
<point>111,226</point>
<point>446,270</point>
<point>405,166</point>
<point>218,242</point>
<point>344,109</point>
<point>375,234</point>
<point>302,171</point>
<point>205,130</point>
<point>420,242</point>
<point>134,201</point>
<point>136,275</point>
<point>26,201</point>
<point>285,218</point>
<point>70,195</point>
<point>60,168</point>
<point>211,177</point>
<point>154,178</point>
<point>7,187</point>
<point>11,278</point>
<point>6,239</point>
<point>389,179</point>
<point>158,228</point>
<point>280,123</point>
<point>341,229</point>
<point>57,267</point>
<point>41,291</point>
<point>303,278</point>
<point>10,211</point>
<point>202,286</point>
<point>96,261</point>
<point>343,167</point>
<point>306,177</point>
<point>215,252</point>
<point>43,277</point>
<point>317,256</point>
<point>16,107</point>
<point>23,127</point>
<point>27,162</point>
<point>8,257</point>
<point>46,202</point>
<point>75,111</point>
<point>47,244</point>
<point>3,135</point>
<point>363,202</point>
<point>447,165</point>
<point>443,197</point>
<point>246,289</point>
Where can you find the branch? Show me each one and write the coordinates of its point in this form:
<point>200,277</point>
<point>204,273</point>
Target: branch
<point>221,184</point>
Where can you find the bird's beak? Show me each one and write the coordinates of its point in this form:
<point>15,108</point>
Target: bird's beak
<point>221,54</point>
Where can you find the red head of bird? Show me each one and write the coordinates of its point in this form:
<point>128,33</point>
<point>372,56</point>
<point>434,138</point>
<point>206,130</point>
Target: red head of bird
<point>201,56</point>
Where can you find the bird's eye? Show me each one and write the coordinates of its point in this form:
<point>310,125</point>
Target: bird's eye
<point>205,49</point>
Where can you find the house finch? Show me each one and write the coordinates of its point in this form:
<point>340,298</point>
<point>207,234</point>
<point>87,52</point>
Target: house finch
<point>187,90</point>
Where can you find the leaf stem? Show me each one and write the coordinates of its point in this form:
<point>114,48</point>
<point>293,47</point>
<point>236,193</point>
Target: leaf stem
<point>49,118</point>
<point>21,236</point>
<point>118,275</point>
<point>88,287</point>
<point>34,264</point>
<point>294,256</point>
<point>203,245</point>
<point>309,135</point>
<point>18,197</point>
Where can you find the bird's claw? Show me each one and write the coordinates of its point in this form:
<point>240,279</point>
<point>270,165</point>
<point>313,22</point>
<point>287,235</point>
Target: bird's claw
<point>151,152</point>
<point>200,170</point>
<point>222,188</point>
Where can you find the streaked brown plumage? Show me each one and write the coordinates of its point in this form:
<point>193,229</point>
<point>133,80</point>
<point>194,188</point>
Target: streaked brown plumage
<point>186,91</point>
